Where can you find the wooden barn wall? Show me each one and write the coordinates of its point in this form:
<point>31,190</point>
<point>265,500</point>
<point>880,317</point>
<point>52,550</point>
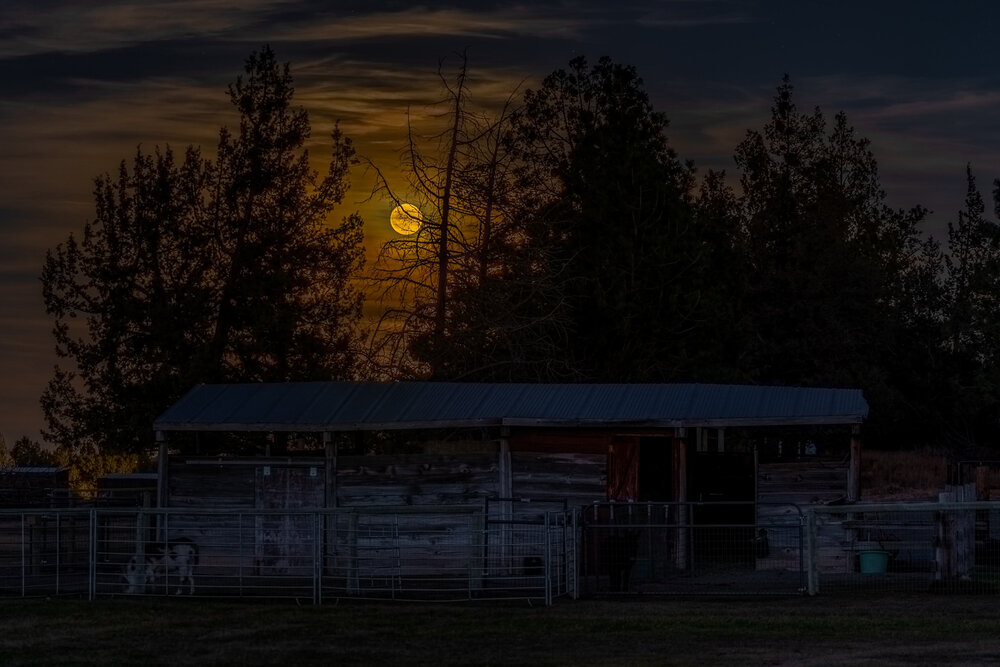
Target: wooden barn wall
<point>211,486</point>
<point>802,482</point>
<point>224,540</point>
<point>559,440</point>
<point>417,479</point>
<point>579,478</point>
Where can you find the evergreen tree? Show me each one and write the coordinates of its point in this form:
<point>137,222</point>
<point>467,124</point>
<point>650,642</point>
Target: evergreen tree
<point>825,255</point>
<point>973,321</point>
<point>203,272</point>
<point>610,213</point>
<point>829,266</point>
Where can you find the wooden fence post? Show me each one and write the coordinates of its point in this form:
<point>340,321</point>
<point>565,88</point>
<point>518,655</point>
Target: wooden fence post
<point>943,553</point>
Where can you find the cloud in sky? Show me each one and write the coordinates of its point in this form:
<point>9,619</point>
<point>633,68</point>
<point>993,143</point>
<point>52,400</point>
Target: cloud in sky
<point>75,27</point>
<point>79,27</point>
<point>515,21</point>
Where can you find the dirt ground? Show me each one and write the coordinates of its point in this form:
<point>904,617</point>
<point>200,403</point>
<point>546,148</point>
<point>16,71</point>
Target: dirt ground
<point>826,630</point>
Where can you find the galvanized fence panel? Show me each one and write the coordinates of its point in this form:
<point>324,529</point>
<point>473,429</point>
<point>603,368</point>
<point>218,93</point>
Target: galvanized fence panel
<point>404,553</point>
<point>44,552</point>
<point>693,548</point>
<point>531,545</point>
<point>905,547</point>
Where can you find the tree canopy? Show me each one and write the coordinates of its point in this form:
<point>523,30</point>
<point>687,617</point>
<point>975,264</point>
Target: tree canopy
<point>196,270</point>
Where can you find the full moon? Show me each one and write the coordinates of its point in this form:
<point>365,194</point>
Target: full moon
<point>405,219</point>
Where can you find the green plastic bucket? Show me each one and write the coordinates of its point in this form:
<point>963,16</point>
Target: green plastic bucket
<point>873,562</point>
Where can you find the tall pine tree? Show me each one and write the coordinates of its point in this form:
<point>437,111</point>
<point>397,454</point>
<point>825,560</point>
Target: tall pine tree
<point>204,271</point>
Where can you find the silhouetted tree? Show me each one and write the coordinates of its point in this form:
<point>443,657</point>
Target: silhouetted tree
<point>720,350</point>
<point>453,308</point>
<point>819,240</point>
<point>829,264</point>
<point>972,321</point>
<point>28,452</point>
<point>416,272</point>
<point>609,211</point>
<point>203,272</point>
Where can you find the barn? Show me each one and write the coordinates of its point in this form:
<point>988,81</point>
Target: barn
<point>696,453</point>
<point>578,442</point>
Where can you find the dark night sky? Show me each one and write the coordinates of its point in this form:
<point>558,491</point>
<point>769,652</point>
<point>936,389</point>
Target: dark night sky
<point>83,83</point>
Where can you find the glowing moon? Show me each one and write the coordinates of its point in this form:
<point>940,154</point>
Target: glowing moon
<point>406,219</point>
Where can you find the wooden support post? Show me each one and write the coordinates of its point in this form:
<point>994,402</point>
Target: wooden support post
<point>982,527</point>
<point>162,469</point>
<point>330,472</point>
<point>505,490</point>
<point>854,469</point>
<point>680,476</point>
<point>162,484</point>
<point>505,481</point>
<point>329,502</point>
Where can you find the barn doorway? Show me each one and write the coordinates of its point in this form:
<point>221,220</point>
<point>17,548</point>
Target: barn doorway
<point>656,470</point>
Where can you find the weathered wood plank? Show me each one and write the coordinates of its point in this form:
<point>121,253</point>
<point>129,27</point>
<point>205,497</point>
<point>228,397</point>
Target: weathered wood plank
<point>420,479</point>
<point>206,486</point>
<point>579,478</point>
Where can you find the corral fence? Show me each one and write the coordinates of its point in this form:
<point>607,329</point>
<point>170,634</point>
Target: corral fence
<point>505,548</point>
<point>945,546</point>
<point>402,553</point>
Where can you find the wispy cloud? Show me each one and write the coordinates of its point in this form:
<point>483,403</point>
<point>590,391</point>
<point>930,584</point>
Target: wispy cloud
<point>77,27</point>
<point>425,22</point>
<point>894,98</point>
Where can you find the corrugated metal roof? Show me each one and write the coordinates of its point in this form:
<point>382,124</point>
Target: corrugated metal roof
<point>365,406</point>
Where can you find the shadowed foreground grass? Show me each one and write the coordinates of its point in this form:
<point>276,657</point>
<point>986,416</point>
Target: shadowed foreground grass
<point>910,630</point>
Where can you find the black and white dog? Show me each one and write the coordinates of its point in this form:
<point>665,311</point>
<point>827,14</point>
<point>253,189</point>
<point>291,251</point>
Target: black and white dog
<point>174,561</point>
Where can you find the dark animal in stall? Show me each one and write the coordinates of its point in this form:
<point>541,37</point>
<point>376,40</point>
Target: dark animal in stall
<point>174,562</point>
<point>617,557</point>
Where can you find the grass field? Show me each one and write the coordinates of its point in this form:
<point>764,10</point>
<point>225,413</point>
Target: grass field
<point>924,630</point>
